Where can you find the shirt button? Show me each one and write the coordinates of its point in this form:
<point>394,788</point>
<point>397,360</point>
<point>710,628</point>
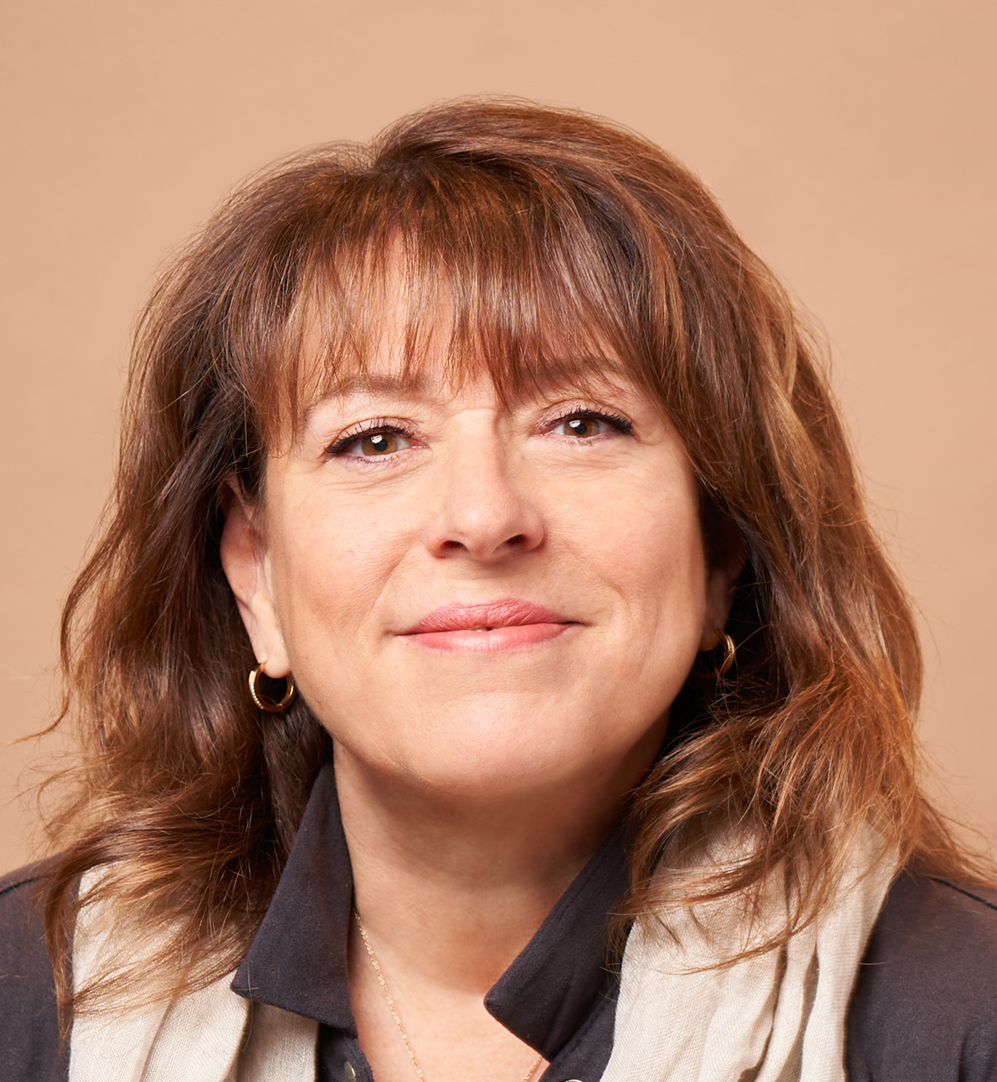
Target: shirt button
<point>349,1075</point>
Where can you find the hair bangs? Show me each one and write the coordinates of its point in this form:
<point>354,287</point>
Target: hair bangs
<point>482,273</point>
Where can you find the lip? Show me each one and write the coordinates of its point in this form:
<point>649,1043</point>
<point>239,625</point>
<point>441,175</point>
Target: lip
<point>493,625</point>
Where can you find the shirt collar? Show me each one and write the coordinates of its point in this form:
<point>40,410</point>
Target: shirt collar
<point>297,960</point>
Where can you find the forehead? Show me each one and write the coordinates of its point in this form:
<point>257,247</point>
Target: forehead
<point>432,376</point>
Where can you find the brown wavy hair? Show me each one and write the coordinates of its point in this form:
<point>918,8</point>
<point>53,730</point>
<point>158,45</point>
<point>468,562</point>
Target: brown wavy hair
<point>547,234</point>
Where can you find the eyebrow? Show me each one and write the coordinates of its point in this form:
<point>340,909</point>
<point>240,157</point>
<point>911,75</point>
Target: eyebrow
<point>367,384</point>
<point>556,374</point>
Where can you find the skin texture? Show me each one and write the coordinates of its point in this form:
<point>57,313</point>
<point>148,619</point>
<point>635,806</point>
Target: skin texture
<point>476,773</point>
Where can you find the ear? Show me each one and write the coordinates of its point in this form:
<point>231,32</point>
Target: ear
<point>720,582</point>
<point>245,559</point>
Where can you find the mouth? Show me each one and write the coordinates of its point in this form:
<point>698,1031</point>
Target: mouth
<point>495,625</point>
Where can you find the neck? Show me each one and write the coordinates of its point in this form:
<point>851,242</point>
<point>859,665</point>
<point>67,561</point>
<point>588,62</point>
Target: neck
<point>455,888</point>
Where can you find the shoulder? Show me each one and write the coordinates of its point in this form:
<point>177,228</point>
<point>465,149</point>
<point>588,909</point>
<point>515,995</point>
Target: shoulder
<point>29,1027</point>
<point>925,1001</point>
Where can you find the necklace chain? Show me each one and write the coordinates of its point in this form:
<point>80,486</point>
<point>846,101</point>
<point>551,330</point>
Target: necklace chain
<point>394,1010</point>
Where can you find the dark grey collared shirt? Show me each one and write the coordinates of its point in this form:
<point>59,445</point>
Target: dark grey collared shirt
<point>558,996</point>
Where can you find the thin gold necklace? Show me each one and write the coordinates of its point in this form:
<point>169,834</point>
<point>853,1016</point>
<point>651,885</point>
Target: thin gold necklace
<point>394,1010</point>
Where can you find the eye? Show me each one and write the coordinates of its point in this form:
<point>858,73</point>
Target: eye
<point>375,444</point>
<point>377,441</point>
<point>586,424</point>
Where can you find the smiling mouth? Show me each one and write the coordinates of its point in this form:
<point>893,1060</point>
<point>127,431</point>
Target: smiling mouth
<point>499,625</point>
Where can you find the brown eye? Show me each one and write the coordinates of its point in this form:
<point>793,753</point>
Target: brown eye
<point>378,443</point>
<point>583,426</point>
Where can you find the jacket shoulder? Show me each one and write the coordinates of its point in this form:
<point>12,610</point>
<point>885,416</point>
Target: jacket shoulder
<point>29,1024</point>
<point>925,1001</point>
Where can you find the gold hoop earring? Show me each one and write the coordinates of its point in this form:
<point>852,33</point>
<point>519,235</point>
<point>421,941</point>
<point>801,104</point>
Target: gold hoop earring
<point>266,704</point>
<point>730,650</point>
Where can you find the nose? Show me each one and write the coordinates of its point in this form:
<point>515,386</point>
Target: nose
<point>484,507</point>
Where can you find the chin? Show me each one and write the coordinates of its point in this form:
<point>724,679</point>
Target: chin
<point>502,762</point>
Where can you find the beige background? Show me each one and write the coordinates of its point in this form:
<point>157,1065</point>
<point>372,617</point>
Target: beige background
<point>852,143</point>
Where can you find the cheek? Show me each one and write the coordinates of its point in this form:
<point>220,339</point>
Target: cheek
<point>648,540</point>
<point>332,565</point>
<point>650,546</point>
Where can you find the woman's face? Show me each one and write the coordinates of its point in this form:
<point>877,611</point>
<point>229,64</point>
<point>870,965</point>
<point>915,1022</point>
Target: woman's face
<point>478,595</point>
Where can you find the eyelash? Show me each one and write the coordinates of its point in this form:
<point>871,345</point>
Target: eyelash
<point>339,447</point>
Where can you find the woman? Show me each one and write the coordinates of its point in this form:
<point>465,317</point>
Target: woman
<point>506,473</point>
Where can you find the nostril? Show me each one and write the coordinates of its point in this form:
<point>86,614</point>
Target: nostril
<point>484,529</point>
<point>519,540</point>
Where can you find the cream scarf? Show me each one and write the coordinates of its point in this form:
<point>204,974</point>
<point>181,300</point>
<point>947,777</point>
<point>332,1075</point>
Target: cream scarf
<point>777,1017</point>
